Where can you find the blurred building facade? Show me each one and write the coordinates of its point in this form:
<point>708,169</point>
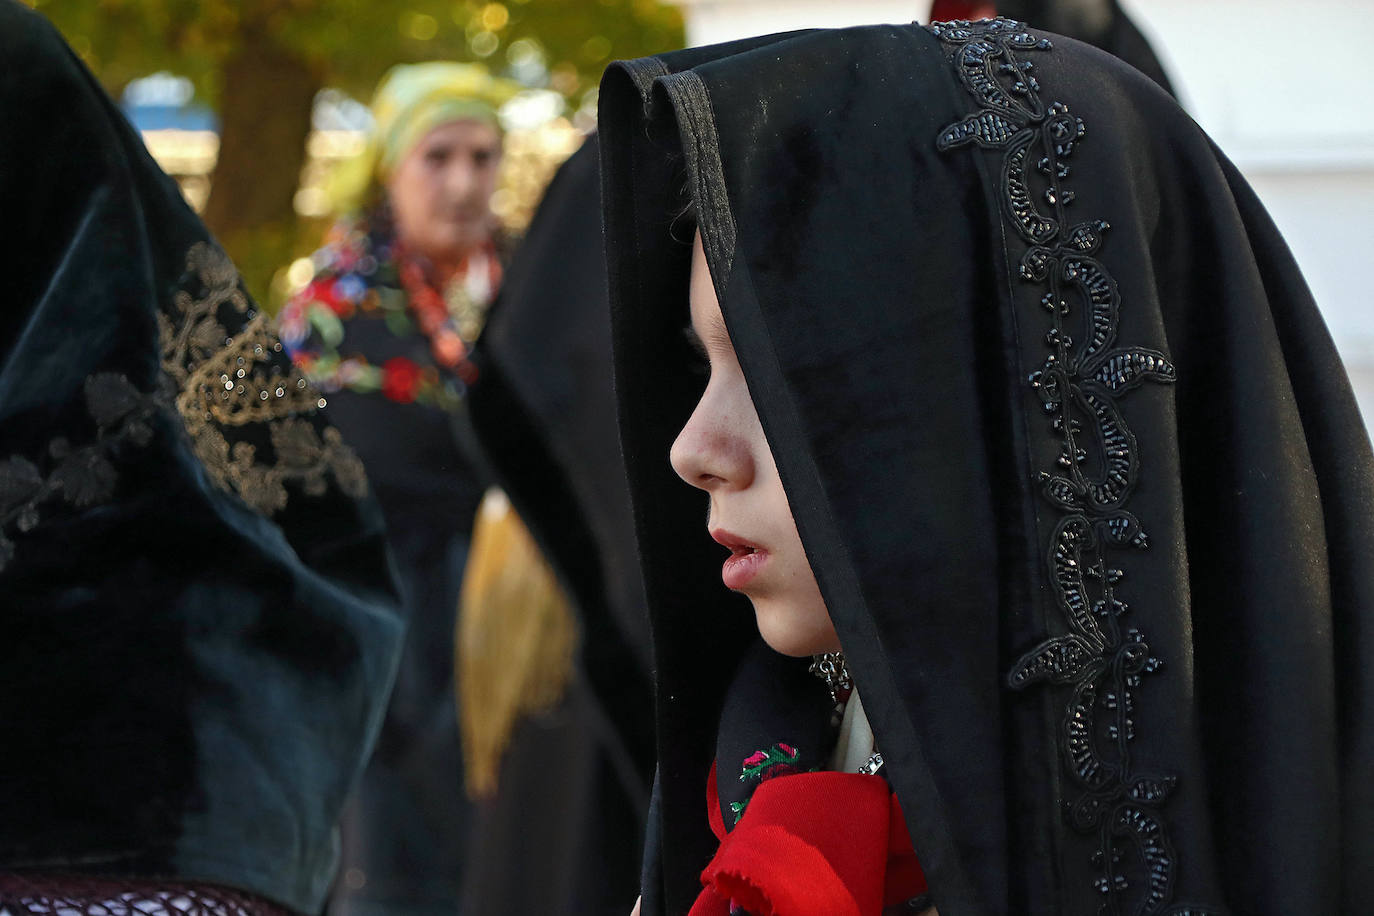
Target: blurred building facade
<point>1278,87</point>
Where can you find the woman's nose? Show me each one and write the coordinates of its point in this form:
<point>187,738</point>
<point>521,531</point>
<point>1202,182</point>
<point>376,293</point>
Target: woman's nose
<point>709,453</point>
<point>460,177</point>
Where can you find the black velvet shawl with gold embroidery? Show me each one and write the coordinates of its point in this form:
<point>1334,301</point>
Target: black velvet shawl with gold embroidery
<point>1074,460</point>
<point>199,630</point>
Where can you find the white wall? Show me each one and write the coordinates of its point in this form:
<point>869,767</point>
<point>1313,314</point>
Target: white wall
<point>713,21</point>
<point>1282,88</point>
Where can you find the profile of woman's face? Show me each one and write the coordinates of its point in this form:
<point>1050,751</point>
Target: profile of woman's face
<point>440,191</point>
<point>722,450</point>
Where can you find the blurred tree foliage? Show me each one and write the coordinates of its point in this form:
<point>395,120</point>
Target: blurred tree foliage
<point>259,64</point>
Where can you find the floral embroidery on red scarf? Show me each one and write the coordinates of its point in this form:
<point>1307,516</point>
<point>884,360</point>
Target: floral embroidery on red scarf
<point>779,760</point>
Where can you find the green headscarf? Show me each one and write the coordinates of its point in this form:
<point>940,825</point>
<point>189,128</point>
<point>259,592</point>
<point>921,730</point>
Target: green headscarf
<point>411,100</point>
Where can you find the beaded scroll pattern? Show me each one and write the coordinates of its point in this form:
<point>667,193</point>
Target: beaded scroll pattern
<point>1078,385</point>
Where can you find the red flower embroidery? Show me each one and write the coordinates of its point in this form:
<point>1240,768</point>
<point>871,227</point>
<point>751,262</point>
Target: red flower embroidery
<point>400,379</point>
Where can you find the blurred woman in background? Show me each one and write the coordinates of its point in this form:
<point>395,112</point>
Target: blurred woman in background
<point>384,328</point>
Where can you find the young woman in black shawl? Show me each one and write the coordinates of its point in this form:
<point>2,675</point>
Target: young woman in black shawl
<point>1069,453</point>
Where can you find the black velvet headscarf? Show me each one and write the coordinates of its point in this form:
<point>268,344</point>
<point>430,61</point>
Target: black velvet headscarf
<point>545,414</point>
<point>544,411</point>
<point>199,631</point>
<point>1077,468</point>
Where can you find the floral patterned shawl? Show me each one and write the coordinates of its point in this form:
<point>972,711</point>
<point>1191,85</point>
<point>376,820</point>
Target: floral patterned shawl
<point>367,280</point>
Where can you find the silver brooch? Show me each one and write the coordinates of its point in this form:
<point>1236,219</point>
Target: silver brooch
<point>830,667</point>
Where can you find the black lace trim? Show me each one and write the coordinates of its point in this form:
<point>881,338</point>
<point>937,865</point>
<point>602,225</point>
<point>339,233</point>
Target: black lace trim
<point>1079,384</point>
<point>84,895</point>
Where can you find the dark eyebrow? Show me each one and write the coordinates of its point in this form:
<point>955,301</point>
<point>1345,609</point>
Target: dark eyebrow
<point>694,341</point>
<point>716,339</point>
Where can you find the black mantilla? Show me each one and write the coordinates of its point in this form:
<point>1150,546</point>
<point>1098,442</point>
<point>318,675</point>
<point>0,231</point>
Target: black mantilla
<point>1079,385</point>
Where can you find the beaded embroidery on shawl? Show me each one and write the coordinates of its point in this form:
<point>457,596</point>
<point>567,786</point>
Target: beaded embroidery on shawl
<point>1079,384</point>
<point>224,387</point>
<point>226,383</point>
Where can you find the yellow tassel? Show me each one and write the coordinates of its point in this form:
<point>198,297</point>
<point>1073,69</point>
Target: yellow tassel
<point>515,641</point>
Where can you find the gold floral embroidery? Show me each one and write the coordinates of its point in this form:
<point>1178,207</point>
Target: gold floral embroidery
<point>223,386</point>
<point>224,382</point>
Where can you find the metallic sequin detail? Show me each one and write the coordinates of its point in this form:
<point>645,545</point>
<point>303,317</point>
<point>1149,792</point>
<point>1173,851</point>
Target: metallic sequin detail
<point>224,377</point>
<point>1099,658</point>
<point>224,388</point>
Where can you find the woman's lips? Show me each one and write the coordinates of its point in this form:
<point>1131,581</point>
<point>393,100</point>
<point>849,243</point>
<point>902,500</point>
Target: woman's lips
<point>739,569</point>
<point>744,562</point>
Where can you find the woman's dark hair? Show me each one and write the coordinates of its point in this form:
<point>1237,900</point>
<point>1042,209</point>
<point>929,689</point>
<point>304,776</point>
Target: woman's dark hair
<point>683,224</point>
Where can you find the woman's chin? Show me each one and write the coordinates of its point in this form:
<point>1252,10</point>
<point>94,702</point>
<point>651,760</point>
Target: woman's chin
<point>798,633</point>
<point>449,241</point>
